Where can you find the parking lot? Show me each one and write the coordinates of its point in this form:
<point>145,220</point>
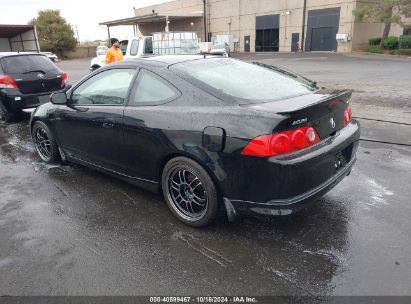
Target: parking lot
<point>67,230</point>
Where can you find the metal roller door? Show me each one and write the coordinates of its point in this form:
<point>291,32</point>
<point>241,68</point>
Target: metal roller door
<point>323,39</point>
<point>322,28</point>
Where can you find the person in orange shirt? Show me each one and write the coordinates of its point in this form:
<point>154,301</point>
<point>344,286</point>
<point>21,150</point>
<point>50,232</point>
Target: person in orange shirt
<point>114,53</point>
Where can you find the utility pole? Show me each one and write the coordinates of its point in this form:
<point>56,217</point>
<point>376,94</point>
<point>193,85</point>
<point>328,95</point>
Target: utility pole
<point>78,38</point>
<point>303,29</point>
<point>205,20</point>
<point>109,36</point>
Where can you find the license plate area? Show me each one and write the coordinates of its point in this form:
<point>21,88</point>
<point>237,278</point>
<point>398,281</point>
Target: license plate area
<point>340,161</point>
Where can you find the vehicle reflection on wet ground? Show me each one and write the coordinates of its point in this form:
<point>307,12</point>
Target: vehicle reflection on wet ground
<point>69,230</point>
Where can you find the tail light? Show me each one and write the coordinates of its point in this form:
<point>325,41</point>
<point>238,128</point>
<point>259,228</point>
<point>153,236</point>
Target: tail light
<point>347,115</point>
<point>7,83</point>
<point>63,78</point>
<point>282,143</point>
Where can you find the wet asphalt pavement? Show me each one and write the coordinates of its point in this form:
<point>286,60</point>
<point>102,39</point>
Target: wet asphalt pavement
<point>67,230</point>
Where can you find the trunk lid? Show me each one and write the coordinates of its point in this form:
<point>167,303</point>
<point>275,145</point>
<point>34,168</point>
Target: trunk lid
<point>32,73</point>
<point>323,110</point>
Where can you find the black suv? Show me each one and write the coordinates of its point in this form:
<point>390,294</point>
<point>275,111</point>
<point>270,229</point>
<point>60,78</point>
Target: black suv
<point>26,80</point>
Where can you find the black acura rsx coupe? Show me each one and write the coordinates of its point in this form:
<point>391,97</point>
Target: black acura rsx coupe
<point>213,134</point>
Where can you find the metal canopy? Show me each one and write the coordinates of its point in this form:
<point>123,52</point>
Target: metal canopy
<point>9,30</point>
<point>152,18</point>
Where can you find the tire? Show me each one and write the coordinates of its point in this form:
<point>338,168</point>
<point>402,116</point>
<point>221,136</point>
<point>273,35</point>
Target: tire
<point>6,116</point>
<point>45,143</point>
<point>190,192</point>
<point>94,68</point>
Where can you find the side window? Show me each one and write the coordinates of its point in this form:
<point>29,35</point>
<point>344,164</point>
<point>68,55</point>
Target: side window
<point>123,46</point>
<point>106,88</point>
<point>134,47</point>
<point>148,46</point>
<point>152,89</point>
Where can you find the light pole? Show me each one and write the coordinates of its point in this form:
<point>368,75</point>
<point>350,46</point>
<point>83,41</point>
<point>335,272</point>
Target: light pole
<point>78,38</point>
<point>205,20</point>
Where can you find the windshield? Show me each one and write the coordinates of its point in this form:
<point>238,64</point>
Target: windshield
<point>246,82</point>
<point>27,63</point>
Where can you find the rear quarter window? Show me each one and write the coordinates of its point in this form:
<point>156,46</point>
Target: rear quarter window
<point>151,89</point>
<point>26,63</point>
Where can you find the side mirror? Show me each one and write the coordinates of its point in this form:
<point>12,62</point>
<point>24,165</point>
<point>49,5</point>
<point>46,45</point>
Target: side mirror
<point>59,98</point>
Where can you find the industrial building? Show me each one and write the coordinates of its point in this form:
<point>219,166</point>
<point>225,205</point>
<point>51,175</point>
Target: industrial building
<point>264,25</point>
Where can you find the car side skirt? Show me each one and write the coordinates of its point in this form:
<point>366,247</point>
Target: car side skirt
<point>149,185</point>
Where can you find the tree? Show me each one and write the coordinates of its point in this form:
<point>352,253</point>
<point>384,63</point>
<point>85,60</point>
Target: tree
<point>385,11</point>
<point>54,33</point>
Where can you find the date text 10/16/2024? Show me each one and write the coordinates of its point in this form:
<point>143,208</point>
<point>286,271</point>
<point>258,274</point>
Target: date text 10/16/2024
<point>239,299</point>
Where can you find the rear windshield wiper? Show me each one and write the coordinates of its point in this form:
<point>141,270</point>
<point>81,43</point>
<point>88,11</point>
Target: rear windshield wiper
<point>293,75</point>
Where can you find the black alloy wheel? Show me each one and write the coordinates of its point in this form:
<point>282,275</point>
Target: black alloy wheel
<point>190,192</point>
<point>187,193</point>
<point>44,142</point>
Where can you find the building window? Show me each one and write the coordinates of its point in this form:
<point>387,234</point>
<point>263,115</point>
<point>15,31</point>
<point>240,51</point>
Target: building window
<point>267,40</point>
<point>267,33</point>
<point>407,31</point>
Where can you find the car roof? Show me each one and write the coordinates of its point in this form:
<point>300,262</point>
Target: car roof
<point>163,60</point>
<point>173,59</point>
<point>5,54</point>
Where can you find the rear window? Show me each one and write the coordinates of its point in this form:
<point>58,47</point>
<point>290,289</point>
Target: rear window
<point>25,63</point>
<point>247,83</point>
<point>148,47</point>
<point>134,47</point>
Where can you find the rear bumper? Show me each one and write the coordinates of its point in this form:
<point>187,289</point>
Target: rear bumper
<point>14,101</point>
<point>294,204</point>
<point>286,184</point>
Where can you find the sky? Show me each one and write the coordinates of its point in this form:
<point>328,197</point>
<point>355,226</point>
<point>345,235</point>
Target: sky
<point>83,14</point>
